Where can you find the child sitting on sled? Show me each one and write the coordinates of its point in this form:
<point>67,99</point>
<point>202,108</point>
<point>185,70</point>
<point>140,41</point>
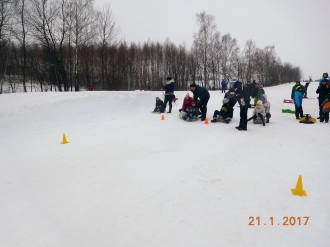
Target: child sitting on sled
<point>266,105</point>
<point>224,114</point>
<point>186,103</point>
<point>159,106</point>
<point>192,114</point>
<point>259,114</point>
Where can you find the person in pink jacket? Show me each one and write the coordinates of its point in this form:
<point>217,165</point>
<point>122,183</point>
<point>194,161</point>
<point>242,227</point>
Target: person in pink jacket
<point>186,103</point>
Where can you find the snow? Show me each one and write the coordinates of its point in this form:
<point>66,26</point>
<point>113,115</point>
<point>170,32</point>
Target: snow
<point>127,178</point>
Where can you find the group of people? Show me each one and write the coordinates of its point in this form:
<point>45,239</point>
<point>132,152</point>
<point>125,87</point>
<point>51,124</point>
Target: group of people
<point>242,94</point>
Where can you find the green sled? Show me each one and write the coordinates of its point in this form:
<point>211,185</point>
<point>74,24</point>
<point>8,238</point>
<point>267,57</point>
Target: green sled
<point>288,111</point>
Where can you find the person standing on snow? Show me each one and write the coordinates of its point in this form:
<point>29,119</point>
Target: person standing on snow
<point>298,98</point>
<point>169,93</point>
<point>325,76</point>
<point>203,95</point>
<point>223,86</point>
<point>294,89</point>
<point>322,90</point>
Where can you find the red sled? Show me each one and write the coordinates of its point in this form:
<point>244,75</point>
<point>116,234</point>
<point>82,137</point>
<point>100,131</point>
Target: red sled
<point>290,101</point>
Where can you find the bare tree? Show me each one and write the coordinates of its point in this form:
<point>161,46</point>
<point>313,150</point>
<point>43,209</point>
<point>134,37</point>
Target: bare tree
<point>204,41</point>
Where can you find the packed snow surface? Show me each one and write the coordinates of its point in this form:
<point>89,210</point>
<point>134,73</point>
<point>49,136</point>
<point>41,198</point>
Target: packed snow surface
<point>127,178</point>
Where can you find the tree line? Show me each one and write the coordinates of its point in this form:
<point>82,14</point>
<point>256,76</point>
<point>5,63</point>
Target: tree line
<point>64,45</point>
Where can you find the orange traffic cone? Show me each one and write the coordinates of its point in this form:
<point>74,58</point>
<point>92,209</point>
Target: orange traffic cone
<point>163,118</point>
<point>206,121</point>
<point>64,141</point>
<point>298,191</point>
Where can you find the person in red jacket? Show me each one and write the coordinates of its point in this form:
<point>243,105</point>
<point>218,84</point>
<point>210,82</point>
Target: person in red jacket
<point>186,103</point>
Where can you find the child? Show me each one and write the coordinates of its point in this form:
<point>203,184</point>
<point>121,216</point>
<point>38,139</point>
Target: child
<point>231,96</point>
<point>298,98</point>
<point>266,105</point>
<point>258,113</point>
<point>261,91</point>
<point>192,114</point>
<point>224,113</point>
<point>243,114</point>
<point>186,103</point>
<point>255,93</point>
<point>158,106</point>
<point>325,109</point>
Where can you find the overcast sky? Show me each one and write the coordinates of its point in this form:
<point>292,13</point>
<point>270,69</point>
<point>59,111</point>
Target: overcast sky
<point>299,29</point>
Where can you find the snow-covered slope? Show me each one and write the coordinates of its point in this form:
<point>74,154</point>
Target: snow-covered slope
<point>126,178</point>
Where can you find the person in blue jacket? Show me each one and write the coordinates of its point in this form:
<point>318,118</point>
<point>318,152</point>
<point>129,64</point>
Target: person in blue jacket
<point>223,86</point>
<point>298,98</point>
<point>203,95</point>
<point>326,77</point>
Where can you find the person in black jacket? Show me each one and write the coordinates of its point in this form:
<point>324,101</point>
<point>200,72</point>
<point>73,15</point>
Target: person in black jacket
<point>158,106</point>
<point>294,89</point>
<point>169,93</point>
<point>239,87</point>
<point>224,114</point>
<point>306,86</point>
<point>203,95</point>
<point>231,96</point>
<point>243,114</point>
<point>322,90</point>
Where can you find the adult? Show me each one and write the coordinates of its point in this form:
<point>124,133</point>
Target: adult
<point>247,93</point>
<point>203,95</point>
<point>239,87</point>
<point>233,81</point>
<point>90,88</point>
<point>325,76</point>
<point>305,93</point>
<point>223,86</point>
<point>169,93</point>
<point>322,90</point>
<point>248,87</point>
<point>149,86</point>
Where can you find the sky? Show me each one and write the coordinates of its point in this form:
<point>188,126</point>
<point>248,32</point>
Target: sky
<point>299,29</point>
<point>128,178</point>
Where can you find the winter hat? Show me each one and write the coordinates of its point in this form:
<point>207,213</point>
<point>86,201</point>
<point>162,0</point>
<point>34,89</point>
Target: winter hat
<point>193,84</point>
<point>261,86</point>
<point>168,78</point>
<point>232,89</point>
<point>259,102</point>
<point>262,97</point>
<point>225,100</point>
<point>187,95</point>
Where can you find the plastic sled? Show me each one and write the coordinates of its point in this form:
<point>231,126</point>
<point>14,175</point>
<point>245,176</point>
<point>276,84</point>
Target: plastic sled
<point>258,120</point>
<point>221,120</point>
<point>290,101</point>
<point>307,119</point>
<point>288,111</point>
<point>181,114</point>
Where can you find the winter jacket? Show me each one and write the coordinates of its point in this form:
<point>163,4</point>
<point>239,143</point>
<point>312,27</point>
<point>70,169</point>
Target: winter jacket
<point>298,96</point>
<point>186,103</point>
<point>159,102</point>
<point>294,89</point>
<point>259,109</point>
<point>224,84</point>
<point>266,104</point>
<point>201,94</point>
<point>231,95</point>
<point>326,106</point>
<point>238,86</point>
<point>169,87</point>
<point>327,78</point>
<point>248,88</point>
<point>260,92</point>
<point>255,92</point>
<point>226,111</point>
<point>322,91</point>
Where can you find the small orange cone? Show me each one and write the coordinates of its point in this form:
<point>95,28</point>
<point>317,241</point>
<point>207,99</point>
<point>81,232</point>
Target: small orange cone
<point>206,121</point>
<point>64,141</point>
<point>163,118</point>
<point>299,191</point>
